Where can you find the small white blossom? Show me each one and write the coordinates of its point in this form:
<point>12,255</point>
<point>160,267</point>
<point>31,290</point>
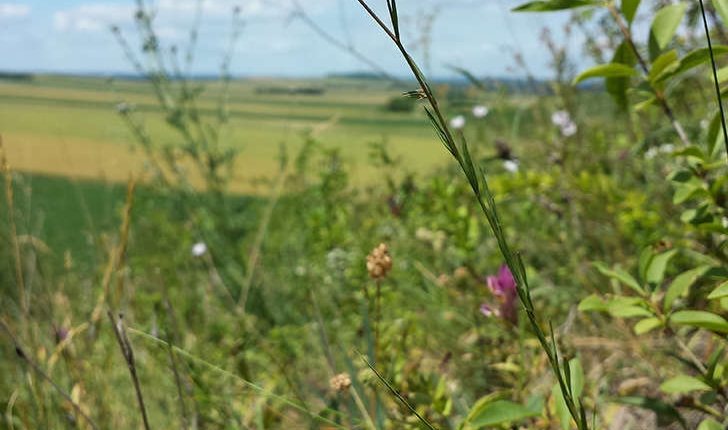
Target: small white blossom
<point>480,111</point>
<point>560,118</point>
<point>199,249</point>
<point>458,122</point>
<point>651,153</point>
<point>568,129</point>
<point>704,123</point>
<point>667,148</point>
<point>511,166</point>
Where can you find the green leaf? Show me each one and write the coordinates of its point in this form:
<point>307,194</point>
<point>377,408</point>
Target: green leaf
<point>664,27</point>
<point>722,74</point>
<point>629,9</point>
<point>694,59</point>
<point>715,136</point>
<point>683,384</point>
<point>644,104</point>
<point>688,191</point>
<point>681,284</point>
<point>621,311</point>
<point>549,5</point>
<point>692,151</point>
<point>656,269</point>
<point>441,133</point>
<point>721,6</point>
<point>562,411</point>
<point>646,257</point>
<point>620,275</point>
<point>666,414</point>
<point>700,319</point>
<point>617,86</point>
<point>499,412</point>
<point>392,6</point>
<point>606,70</point>
<point>593,303</point>
<point>681,176</point>
<point>709,423</point>
<point>481,405</point>
<point>646,325</point>
<point>663,64</point>
<point>720,292</point>
<point>577,377</point>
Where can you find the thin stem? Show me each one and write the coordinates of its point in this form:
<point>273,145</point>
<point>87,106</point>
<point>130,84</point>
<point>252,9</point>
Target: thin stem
<point>348,47</point>
<point>228,374</point>
<point>377,318</point>
<point>254,256</point>
<point>715,77</point>
<point>178,383</point>
<point>24,356</point>
<point>415,70</point>
<point>13,230</point>
<point>128,353</point>
<point>324,337</point>
<point>645,68</point>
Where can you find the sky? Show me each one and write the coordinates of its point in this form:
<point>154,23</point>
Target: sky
<point>73,36</point>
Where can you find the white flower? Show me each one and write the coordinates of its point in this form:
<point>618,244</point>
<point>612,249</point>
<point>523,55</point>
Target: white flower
<point>568,129</point>
<point>299,271</point>
<point>480,111</point>
<point>667,148</point>
<point>458,122</point>
<point>651,153</point>
<point>560,118</point>
<point>199,249</point>
<point>704,123</point>
<point>511,166</point>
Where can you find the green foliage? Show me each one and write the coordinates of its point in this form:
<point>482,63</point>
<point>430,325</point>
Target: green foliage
<point>401,104</point>
<point>249,333</point>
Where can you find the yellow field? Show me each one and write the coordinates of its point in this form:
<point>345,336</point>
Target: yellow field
<point>70,127</point>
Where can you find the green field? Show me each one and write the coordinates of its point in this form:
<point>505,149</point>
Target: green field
<point>69,126</point>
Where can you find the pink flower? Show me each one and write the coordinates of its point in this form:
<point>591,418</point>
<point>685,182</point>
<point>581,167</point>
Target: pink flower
<point>503,288</point>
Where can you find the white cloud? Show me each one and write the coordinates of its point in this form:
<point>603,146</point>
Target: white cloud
<point>13,10</point>
<point>92,17</point>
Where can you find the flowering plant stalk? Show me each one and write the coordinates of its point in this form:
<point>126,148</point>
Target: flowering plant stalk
<point>478,182</point>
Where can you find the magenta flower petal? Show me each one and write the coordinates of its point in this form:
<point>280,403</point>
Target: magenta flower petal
<point>503,287</point>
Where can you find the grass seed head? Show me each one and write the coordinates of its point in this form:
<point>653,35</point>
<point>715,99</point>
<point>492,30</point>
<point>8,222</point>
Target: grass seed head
<point>379,263</point>
<point>340,382</point>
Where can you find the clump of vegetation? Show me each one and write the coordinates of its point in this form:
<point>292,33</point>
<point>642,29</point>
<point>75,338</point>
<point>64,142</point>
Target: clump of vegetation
<point>401,104</point>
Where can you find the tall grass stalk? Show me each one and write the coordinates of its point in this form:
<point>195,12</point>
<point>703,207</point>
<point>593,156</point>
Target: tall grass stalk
<point>254,255</point>
<point>478,182</point>
<point>36,368</point>
<point>332,364</point>
<point>128,352</point>
<point>257,388</point>
<point>13,231</point>
<point>715,76</point>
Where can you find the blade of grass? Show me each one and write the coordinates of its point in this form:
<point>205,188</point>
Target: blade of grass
<point>715,76</point>
<point>182,353</point>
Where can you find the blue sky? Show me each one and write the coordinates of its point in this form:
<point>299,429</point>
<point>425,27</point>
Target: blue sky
<point>73,36</point>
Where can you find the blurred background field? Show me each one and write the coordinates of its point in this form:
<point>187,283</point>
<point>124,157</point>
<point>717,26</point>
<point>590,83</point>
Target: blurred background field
<point>68,126</point>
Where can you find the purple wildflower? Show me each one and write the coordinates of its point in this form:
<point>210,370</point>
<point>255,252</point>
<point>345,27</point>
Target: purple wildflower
<point>61,334</point>
<point>503,288</point>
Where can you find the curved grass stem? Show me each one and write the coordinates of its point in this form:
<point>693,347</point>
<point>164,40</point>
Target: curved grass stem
<point>479,184</point>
